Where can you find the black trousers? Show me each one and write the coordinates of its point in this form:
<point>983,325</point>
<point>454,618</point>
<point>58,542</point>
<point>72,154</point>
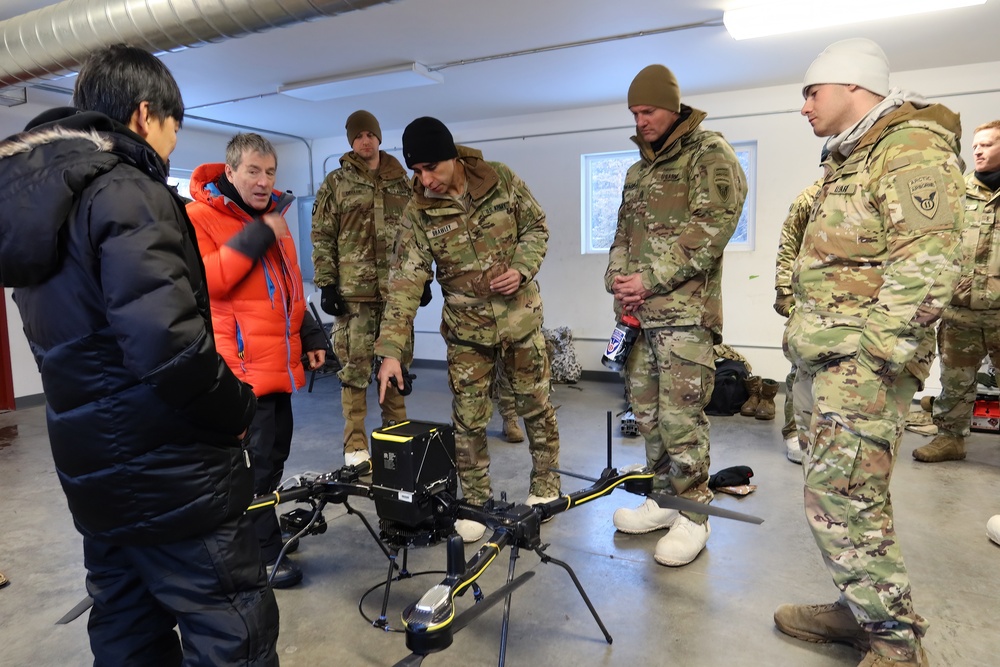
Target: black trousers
<point>269,441</point>
<point>212,587</point>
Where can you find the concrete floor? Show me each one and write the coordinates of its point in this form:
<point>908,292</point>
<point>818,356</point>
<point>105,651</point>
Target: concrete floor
<point>715,611</point>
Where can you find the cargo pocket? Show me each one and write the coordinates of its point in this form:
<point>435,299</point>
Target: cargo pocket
<point>691,373</point>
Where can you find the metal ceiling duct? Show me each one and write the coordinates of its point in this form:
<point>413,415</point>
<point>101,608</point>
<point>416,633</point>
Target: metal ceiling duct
<point>52,40</point>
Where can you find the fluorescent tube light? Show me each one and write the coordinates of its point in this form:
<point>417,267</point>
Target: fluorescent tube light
<point>783,16</point>
<point>409,75</point>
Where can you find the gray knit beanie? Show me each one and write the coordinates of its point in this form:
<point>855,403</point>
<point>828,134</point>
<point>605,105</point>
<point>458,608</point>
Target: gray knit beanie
<point>855,61</point>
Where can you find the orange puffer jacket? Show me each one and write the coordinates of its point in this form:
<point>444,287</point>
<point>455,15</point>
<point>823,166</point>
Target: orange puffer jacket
<point>257,304</point>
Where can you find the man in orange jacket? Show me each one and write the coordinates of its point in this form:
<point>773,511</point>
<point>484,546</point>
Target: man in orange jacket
<point>258,309</point>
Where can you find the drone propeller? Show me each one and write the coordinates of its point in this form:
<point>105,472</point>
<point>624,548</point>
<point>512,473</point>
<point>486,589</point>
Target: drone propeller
<point>81,606</point>
<point>471,614</point>
<point>412,660</point>
<point>684,505</point>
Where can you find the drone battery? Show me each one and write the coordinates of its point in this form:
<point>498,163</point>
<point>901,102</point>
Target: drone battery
<point>411,462</point>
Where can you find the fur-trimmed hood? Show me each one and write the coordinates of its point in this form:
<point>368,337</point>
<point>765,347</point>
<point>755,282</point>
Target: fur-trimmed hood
<point>42,173</point>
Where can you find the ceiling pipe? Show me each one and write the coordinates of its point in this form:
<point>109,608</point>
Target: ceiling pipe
<point>49,42</point>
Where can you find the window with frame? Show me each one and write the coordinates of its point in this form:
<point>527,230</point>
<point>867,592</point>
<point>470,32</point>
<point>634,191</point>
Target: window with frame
<point>603,175</point>
<point>180,179</point>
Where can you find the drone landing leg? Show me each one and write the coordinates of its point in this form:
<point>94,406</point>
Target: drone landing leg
<point>371,531</point>
<point>579,587</point>
<point>382,621</point>
<point>506,606</point>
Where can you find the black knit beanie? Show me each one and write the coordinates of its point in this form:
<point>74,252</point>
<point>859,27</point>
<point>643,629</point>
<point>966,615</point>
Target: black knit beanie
<point>427,140</point>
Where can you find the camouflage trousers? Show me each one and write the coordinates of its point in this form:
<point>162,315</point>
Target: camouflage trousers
<point>788,428</point>
<point>965,337</point>
<point>670,376</point>
<point>854,423</point>
<point>354,337</point>
<point>503,392</point>
<point>471,369</point>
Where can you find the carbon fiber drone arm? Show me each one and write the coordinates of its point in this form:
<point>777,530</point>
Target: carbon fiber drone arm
<point>331,487</point>
<point>428,621</point>
<point>636,479</point>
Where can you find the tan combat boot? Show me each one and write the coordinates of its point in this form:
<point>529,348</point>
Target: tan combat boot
<point>765,406</point>
<point>944,447</point>
<point>822,624</point>
<point>511,429</point>
<point>752,384</point>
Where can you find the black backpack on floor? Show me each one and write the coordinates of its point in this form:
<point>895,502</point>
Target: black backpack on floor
<point>730,392</point>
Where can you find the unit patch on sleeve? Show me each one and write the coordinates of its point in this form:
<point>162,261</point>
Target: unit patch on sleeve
<point>923,200</point>
<point>924,192</point>
<point>722,182</point>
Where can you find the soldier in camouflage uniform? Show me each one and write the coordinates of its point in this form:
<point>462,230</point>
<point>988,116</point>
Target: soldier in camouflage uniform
<point>970,326</point>
<point>788,249</point>
<point>480,225</point>
<point>878,263</point>
<point>680,205</point>
<point>504,395</point>
<point>356,218</point>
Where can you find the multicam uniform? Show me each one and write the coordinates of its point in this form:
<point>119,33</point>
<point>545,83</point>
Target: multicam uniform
<point>495,225</point>
<point>679,208</point>
<point>792,231</point>
<point>969,326</point>
<point>356,218</point>
<point>877,265</point>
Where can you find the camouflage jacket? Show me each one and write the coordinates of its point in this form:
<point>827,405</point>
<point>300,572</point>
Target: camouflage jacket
<point>356,218</point>
<point>979,286</point>
<point>792,231</point>
<point>879,259</point>
<point>679,208</point>
<point>472,239</point>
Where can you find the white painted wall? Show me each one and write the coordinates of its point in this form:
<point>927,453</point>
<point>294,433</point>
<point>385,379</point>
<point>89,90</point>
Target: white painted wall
<point>545,149</point>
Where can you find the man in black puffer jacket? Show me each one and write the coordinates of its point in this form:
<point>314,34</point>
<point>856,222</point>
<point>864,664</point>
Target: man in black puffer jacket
<point>145,419</point>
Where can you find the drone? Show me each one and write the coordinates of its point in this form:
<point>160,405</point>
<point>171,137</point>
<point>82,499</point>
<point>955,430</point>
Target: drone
<point>414,487</point>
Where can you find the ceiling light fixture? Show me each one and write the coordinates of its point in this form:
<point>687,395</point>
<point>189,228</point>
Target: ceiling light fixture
<point>409,75</point>
<point>784,16</point>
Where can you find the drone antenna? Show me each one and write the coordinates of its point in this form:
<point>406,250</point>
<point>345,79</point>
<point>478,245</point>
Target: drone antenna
<point>609,439</point>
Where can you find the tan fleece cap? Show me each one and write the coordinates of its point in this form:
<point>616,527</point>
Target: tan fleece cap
<point>655,86</point>
<point>358,122</point>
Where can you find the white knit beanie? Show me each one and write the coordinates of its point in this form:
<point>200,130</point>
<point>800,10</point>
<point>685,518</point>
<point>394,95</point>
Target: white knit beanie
<point>851,61</point>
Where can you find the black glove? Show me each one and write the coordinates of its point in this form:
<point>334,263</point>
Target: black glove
<point>408,379</point>
<point>426,297</point>
<point>331,302</point>
<point>734,476</point>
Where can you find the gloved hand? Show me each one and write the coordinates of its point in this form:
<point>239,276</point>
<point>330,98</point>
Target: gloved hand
<point>783,304</point>
<point>426,297</point>
<point>331,302</point>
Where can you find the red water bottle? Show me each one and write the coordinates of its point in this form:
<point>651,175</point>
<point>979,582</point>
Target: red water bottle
<point>622,340</point>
